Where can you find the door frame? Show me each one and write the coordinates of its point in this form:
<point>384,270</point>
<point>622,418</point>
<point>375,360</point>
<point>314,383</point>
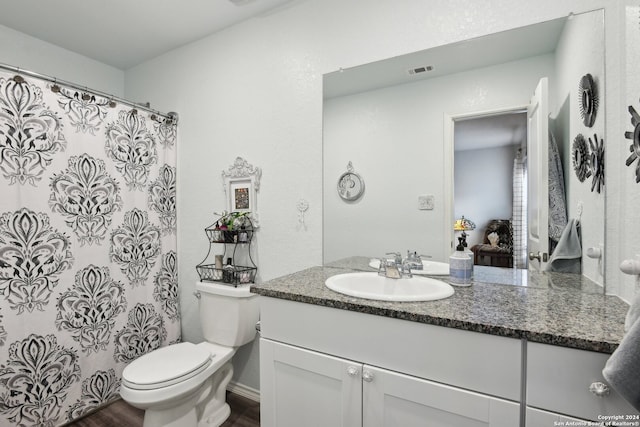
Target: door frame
<point>448,150</point>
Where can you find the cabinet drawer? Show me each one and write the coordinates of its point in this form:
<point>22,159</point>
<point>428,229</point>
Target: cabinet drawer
<point>558,380</point>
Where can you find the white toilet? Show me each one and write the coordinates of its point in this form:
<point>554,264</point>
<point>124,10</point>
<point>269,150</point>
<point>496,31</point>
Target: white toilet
<point>184,385</point>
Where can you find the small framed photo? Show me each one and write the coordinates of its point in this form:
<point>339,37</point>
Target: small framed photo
<point>240,196</point>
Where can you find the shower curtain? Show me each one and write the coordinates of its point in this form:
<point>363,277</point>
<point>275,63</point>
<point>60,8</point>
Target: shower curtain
<point>88,267</point>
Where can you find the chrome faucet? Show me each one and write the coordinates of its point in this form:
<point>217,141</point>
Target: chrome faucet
<point>394,268</point>
<point>414,260</point>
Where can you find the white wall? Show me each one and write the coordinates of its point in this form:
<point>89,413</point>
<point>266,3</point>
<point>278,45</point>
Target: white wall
<point>484,187</point>
<point>26,52</point>
<point>623,241</point>
<point>255,90</point>
<point>395,138</point>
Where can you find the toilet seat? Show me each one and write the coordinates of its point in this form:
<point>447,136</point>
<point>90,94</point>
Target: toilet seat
<point>166,366</point>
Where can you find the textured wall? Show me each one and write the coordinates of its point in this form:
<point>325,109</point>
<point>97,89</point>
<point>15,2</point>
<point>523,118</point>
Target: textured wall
<point>625,214</point>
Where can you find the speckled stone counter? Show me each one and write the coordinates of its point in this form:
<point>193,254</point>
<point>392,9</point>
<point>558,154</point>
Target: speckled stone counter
<point>559,309</point>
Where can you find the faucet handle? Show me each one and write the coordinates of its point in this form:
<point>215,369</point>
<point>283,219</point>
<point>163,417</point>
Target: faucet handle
<point>413,261</point>
<point>396,257</point>
<point>382,268</point>
<point>405,269</point>
<point>413,256</point>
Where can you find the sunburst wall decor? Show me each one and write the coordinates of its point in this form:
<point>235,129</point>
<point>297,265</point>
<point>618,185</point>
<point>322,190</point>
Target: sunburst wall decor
<point>634,136</point>
<point>581,160</point>
<point>597,163</point>
<point>588,100</point>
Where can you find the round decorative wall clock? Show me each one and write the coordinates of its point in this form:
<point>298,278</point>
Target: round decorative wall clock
<point>588,100</point>
<point>581,160</point>
<point>350,185</point>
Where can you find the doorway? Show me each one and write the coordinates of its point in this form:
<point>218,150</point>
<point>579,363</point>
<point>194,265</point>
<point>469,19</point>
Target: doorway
<point>489,184</point>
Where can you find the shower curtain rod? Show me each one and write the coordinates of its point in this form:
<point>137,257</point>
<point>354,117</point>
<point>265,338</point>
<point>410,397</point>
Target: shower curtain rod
<point>170,115</point>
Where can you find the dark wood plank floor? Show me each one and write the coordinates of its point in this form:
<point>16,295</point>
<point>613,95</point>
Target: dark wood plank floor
<point>244,413</point>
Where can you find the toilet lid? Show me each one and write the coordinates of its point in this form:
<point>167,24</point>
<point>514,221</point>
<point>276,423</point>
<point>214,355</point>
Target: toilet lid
<point>166,366</point>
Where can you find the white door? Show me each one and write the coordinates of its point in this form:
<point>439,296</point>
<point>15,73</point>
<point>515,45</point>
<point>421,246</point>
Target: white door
<point>305,388</point>
<point>538,176</point>
<point>391,399</point>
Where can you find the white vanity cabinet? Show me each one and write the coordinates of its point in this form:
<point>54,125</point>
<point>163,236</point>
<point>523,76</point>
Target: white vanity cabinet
<point>327,367</point>
<point>314,389</point>
<point>559,381</point>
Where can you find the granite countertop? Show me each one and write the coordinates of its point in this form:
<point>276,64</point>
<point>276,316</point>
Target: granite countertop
<point>552,308</point>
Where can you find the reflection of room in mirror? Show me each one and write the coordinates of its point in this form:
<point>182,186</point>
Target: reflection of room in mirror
<point>392,123</point>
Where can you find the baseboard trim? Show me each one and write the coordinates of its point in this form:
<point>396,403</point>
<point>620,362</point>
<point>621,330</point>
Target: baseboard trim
<point>244,391</point>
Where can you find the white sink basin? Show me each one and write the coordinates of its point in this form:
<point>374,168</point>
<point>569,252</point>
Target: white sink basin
<point>430,268</point>
<point>372,286</point>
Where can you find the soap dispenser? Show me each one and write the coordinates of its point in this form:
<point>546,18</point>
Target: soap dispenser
<point>460,266</point>
<point>466,248</point>
<point>467,251</point>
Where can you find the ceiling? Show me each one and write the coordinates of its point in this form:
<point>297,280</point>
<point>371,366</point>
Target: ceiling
<point>125,33</point>
<point>498,48</point>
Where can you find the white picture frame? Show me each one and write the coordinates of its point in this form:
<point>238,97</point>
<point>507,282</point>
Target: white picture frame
<point>241,182</point>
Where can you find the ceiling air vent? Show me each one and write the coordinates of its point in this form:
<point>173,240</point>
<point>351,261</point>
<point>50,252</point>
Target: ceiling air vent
<point>241,2</point>
<point>419,70</point>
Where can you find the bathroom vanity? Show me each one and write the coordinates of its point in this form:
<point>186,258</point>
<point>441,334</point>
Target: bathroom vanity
<point>490,355</point>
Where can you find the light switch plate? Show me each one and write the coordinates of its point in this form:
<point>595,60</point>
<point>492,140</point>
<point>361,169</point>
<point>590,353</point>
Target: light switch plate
<point>425,202</point>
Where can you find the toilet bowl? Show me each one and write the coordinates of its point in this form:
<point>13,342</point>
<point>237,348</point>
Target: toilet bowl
<point>184,385</point>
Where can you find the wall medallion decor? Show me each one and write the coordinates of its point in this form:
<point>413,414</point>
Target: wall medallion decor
<point>588,100</point>
<point>302,207</point>
<point>350,185</point>
<point>581,159</point>
<point>634,136</point>
<point>597,163</point>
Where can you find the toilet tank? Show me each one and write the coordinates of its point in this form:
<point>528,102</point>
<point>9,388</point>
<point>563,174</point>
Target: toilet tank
<point>228,314</point>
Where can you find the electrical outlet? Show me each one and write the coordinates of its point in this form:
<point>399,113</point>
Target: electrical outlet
<point>425,202</point>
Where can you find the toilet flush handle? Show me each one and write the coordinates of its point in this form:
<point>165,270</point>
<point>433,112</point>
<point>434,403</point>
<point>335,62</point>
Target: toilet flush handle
<point>197,294</point>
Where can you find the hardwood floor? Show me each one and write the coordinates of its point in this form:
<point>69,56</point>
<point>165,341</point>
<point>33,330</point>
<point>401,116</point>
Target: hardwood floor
<point>244,413</point>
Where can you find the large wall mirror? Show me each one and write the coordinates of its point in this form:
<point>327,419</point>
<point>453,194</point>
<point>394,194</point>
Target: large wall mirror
<point>436,135</point>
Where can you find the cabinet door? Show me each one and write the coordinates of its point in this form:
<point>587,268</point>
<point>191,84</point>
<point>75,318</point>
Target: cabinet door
<point>305,388</point>
<point>559,380</point>
<point>390,399</point>
<point>539,418</point>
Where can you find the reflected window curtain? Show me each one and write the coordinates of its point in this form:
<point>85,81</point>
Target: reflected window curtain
<point>88,267</point>
<point>519,221</point>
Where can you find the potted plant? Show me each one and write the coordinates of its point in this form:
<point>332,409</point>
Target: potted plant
<point>231,223</point>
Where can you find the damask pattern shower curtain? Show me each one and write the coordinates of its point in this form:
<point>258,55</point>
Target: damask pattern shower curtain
<point>88,268</point>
